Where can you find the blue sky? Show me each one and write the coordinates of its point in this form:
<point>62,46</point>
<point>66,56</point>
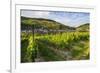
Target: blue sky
<point>73,19</point>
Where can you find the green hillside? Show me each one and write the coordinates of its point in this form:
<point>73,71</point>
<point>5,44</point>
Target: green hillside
<point>84,27</point>
<point>49,25</point>
<point>39,23</point>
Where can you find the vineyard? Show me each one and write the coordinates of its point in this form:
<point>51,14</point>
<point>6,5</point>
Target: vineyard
<point>54,47</point>
<point>44,40</point>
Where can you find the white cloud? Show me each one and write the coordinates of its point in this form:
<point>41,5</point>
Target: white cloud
<point>35,14</point>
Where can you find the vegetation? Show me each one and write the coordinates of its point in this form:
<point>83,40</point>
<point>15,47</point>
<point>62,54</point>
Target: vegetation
<point>48,40</point>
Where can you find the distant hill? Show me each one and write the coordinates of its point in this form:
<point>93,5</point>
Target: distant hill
<point>40,23</point>
<point>84,27</point>
<point>49,25</point>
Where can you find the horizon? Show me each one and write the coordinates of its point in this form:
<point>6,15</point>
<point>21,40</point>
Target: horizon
<point>72,19</point>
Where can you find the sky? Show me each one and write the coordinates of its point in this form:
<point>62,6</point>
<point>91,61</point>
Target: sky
<point>72,19</point>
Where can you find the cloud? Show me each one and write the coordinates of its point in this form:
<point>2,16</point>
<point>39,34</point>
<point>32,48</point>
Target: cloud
<point>35,14</point>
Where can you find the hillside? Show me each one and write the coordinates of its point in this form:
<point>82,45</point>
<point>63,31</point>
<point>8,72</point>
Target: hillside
<point>40,23</point>
<point>49,25</point>
<point>84,27</point>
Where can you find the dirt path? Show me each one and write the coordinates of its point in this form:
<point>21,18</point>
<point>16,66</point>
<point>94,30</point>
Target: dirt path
<point>39,58</point>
